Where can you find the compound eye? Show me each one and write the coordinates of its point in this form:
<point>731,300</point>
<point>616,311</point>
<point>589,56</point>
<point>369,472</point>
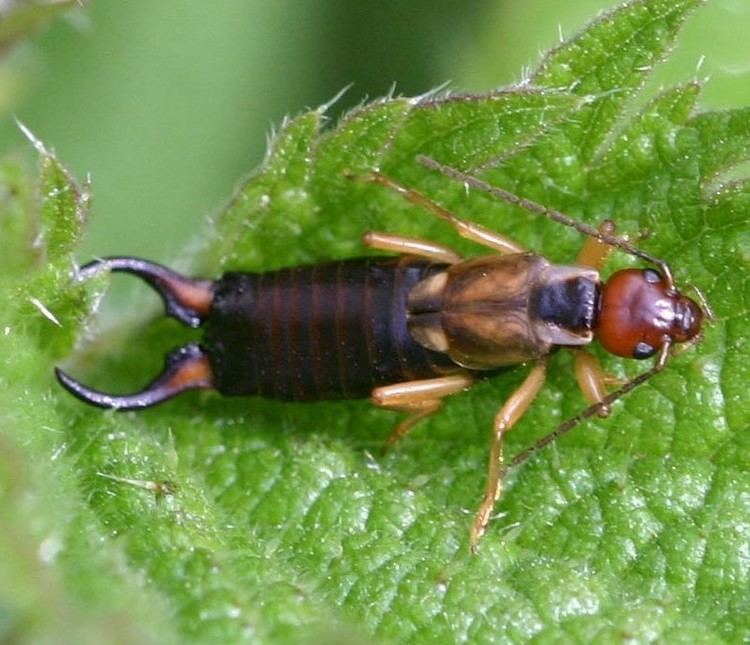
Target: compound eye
<point>643,350</point>
<point>652,276</point>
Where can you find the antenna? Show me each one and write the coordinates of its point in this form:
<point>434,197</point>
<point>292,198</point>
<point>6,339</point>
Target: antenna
<point>571,423</point>
<point>549,213</point>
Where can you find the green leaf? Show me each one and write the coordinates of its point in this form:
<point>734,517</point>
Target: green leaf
<point>223,519</point>
<point>55,576</point>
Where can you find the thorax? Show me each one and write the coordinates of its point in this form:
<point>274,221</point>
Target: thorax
<point>499,310</point>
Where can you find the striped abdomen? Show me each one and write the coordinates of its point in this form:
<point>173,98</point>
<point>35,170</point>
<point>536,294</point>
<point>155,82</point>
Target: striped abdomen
<point>327,331</point>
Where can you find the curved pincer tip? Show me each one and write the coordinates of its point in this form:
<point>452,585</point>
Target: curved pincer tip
<point>186,299</point>
<point>186,368</point>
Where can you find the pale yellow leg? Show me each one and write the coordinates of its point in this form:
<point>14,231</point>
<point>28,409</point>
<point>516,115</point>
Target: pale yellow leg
<point>592,379</point>
<point>594,252</point>
<point>505,419</point>
<point>417,412</point>
<point>420,398</point>
<point>410,246</point>
<point>469,230</point>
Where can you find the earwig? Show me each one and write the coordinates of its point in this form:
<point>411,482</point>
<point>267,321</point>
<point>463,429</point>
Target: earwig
<point>409,330</point>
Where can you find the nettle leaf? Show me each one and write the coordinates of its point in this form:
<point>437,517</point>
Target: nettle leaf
<point>56,577</point>
<point>225,519</point>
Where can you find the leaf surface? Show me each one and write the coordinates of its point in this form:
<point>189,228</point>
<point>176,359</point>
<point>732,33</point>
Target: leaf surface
<point>228,519</point>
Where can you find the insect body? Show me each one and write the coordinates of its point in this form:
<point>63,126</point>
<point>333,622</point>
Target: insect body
<point>412,329</point>
<point>329,331</point>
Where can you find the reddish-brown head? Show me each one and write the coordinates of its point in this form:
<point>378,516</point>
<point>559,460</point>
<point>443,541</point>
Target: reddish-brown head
<point>639,313</point>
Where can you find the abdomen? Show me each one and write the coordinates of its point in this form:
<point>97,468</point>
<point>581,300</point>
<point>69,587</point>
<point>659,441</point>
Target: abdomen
<point>328,331</point>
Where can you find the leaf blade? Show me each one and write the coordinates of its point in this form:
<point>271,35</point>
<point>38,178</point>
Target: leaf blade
<point>280,522</point>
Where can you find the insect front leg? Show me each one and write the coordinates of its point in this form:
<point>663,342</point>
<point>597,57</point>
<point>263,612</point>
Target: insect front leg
<point>513,409</point>
<point>595,251</point>
<point>464,228</point>
<point>419,398</point>
<point>592,379</point>
<point>410,246</point>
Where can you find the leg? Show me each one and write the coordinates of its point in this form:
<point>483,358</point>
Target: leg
<point>410,246</point>
<point>595,251</point>
<point>567,426</point>
<point>419,398</point>
<point>593,380</point>
<point>506,418</point>
<point>468,230</point>
<point>556,216</point>
<point>417,412</point>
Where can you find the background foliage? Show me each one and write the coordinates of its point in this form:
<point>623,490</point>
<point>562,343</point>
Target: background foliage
<point>166,104</point>
<point>221,520</point>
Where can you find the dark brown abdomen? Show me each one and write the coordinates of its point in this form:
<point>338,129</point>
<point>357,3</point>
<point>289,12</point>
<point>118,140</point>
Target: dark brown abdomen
<point>328,331</point>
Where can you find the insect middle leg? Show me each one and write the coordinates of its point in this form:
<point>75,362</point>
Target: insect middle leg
<point>469,230</point>
<point>513,409</point>
<point>419,398</point>
<point>411,246</point>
